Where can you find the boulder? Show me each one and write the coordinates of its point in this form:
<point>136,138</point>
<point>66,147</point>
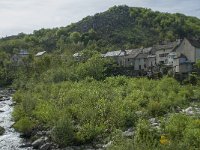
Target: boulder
<point>189,111</point>
<point>107,145</point>
<point>45,146</point>
<point>25,145</point>
<point>128,133</point>
<point>37,143</point>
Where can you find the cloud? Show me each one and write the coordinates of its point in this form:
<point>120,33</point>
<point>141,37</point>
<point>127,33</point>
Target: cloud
<point>28,15</point>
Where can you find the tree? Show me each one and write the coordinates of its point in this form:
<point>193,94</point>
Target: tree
<point>75,37</point>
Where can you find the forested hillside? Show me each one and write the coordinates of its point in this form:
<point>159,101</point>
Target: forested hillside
<point>119,27</point>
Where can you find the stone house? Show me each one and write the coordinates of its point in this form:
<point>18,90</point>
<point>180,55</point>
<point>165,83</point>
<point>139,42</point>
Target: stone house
<point>181,64</point>
<point>16,59</point>
<point>190,48</point>
<point>182,58</point>
<point>162,51</point>
<point>130,57</point>
<point>117,56</point>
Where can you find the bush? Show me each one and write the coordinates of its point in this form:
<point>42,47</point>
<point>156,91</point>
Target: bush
<point>62,132</point>
<point>25,125</point>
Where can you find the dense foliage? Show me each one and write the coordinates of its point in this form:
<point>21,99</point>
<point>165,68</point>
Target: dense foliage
<point>91,110</point>
<point>80,102</point>
<point>119,27</point>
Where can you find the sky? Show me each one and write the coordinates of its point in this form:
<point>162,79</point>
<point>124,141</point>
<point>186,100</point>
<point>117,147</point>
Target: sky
<point>25,16</point>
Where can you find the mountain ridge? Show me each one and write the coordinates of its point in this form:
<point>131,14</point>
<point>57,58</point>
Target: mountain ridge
<point>118,27</point>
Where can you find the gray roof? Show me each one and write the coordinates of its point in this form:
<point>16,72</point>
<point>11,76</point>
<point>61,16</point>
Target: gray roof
<point>195,43</point>
<point>142,55</point>
<point>132,53</point>
<point>115,53</point>
<point>23,52</point>
<point>147,50</point>
<point>170,45</point>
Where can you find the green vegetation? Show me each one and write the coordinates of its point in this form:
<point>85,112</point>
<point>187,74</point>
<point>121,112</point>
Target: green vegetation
<point>2,130</point>
<point>119,27</point>
<point>81,102</point>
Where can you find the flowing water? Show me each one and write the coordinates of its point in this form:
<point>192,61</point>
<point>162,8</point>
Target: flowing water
<point>10,140</point>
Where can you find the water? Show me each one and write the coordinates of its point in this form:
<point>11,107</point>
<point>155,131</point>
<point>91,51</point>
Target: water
<point>10,140</point>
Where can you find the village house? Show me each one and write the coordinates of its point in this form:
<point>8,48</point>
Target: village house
<point>190,48</point>
<point>16,59</point>
<point>141,59</point>
<point>177,57</point>
<point>184,56</point>
<point>117,56</point>
<point>162,51</point>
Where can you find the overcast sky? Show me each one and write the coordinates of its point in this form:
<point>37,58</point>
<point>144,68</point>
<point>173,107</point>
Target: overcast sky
<point>28,15</point>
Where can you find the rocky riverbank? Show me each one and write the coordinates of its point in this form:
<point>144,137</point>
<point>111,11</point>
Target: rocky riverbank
<point>9,138</point>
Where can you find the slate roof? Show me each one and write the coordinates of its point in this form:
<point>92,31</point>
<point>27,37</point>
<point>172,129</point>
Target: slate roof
<point>133,52</point>
<point>170,45</point>
<point>194,43</point>
<point>115,53</point>
<point>147,50</point>
<point>142,55</point>
<point>23,52</point>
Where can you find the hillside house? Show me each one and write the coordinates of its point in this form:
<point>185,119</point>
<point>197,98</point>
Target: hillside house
<point>162,51</point>
<point>177,57</point>
<point>118,56</point>
<point>130,56</point>
<point>181,64</point>
<point>184,56</point>
<point>16,59</point>
<point>190,48</point>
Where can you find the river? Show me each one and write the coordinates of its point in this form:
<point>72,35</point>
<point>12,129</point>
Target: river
<point>10,140</point>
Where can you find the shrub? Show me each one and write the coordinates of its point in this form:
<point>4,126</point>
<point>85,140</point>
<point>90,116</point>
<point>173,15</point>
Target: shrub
<point>176,126</point>
<point>146,137</point>
<point>25,125</point>
<point>62,132</point>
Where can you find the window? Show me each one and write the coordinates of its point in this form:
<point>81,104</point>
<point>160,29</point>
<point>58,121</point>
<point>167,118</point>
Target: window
<point>140,67</point>
<point>161,55</point>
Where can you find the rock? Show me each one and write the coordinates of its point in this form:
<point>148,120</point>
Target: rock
<point>4,98</point>
<point>37,143</point>
<point>189,111</point>
<point>69,148</point>
<point>139,113</point>
<point>2,130</point>
<point>107,145</point>
<point>128,133</point>
<point>1,111</point>
<point>45,146</point>
<point>25,145</point>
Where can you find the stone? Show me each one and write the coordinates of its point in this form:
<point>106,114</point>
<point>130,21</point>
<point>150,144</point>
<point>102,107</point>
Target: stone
<point>25,145</point>
<point>107,145</point>
<point>152,120</point>
<point>45,146</point>
<point>37,143</point>
<point>128,133</point>
<point>189,111</point>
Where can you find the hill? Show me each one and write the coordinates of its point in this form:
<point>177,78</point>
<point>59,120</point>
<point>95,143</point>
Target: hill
<point>118,27</point>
